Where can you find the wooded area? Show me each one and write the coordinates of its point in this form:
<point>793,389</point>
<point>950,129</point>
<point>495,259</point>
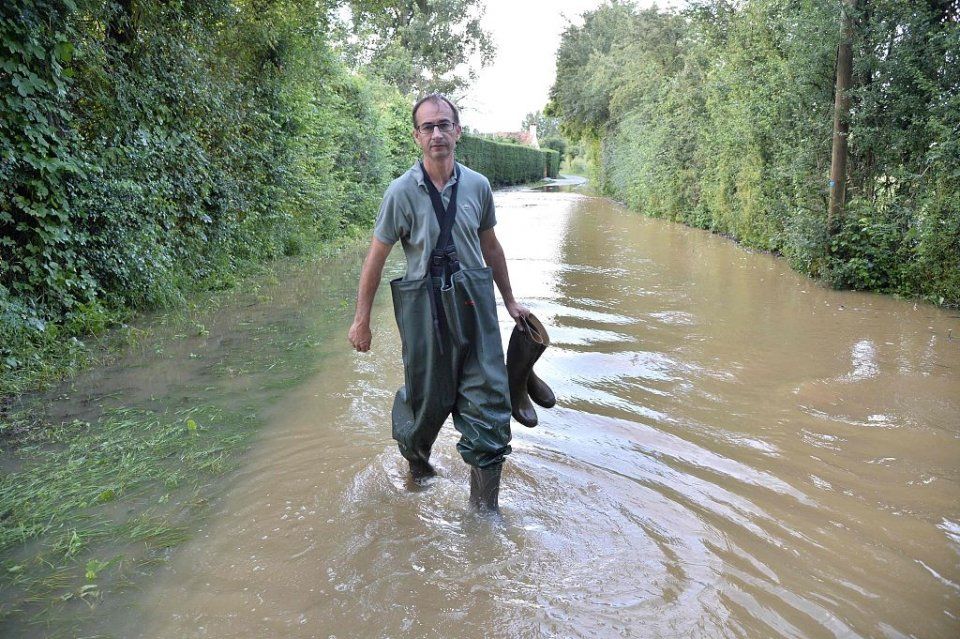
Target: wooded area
<point>722,117</point>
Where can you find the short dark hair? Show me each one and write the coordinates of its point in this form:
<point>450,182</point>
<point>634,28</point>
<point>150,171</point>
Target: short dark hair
<point>435,97</point>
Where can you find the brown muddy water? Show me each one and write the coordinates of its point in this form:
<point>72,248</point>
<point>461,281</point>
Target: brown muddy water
<point>736,452</point>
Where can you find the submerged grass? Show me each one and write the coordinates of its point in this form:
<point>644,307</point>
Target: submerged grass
<point>84,490</point>
<point>90,506</point>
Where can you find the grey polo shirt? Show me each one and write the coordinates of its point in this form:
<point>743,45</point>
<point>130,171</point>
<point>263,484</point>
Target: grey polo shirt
<point>406,214</point>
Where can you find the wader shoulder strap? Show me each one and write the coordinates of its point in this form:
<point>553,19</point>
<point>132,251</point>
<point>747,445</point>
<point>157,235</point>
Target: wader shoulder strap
<point>445,216</point>
<point>443,261</point>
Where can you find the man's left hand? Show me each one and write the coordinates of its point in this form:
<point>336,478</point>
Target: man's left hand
<point>517,310</point>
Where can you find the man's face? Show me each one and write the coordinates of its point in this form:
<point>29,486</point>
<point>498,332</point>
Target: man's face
<point>436,144</point>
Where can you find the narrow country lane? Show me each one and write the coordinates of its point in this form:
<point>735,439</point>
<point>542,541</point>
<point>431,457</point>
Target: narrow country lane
<point>736,452</point>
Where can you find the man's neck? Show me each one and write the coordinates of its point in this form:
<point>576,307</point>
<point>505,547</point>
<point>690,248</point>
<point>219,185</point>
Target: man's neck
<point>439,171</point>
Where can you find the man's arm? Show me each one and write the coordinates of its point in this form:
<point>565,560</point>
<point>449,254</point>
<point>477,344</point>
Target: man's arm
<point>495,259</point>
<point>370,274</point>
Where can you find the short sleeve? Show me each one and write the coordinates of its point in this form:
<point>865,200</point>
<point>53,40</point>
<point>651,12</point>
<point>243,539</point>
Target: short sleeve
<point>488,216</point>
<point>388,226</point>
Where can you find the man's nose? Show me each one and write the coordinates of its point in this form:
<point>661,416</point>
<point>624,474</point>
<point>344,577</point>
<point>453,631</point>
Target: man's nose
<point>436,132</point>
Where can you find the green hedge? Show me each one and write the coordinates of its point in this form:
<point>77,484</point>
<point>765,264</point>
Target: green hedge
<point>505,164</point>
<point>552,159</point>
<point>722,118</point>
<point>144,153</point>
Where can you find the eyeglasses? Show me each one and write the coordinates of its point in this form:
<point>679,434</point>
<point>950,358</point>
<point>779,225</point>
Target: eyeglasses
<point>427,129</point>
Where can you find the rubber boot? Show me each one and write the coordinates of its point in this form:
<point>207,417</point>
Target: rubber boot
<point>420,471</point>
<point>523,351</point>
<point>540,393</point>
<point>485,488</point>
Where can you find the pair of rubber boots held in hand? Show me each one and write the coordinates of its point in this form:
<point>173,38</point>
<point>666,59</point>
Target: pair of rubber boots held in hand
<point>525,348</point>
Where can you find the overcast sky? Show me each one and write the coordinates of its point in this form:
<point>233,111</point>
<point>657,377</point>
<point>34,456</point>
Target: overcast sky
<point>527,34</point>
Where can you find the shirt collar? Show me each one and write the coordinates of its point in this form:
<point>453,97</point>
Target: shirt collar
<point>419,175</point>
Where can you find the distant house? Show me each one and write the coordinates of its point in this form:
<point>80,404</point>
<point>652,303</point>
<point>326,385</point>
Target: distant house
<point>527,138</point>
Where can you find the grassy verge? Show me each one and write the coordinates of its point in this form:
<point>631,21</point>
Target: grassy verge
<point>88,507</point>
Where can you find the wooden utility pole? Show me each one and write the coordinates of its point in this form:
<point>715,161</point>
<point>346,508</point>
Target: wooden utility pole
<point>841,117</point>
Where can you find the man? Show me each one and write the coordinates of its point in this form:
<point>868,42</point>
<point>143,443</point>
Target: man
<point>443,215</point>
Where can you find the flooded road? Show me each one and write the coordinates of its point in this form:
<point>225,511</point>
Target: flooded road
<point>736,452</point>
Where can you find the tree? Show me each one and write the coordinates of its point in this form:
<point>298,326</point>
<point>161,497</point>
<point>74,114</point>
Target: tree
<point>547,127</point>
<point>581,93</point>
<point>558,144</point>
<point>417,45</point>
<point>841,117</point>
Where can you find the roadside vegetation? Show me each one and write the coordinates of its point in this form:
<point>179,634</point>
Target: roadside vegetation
<point>152,149</point>
<point>505,163</point>
<point>721,117</point>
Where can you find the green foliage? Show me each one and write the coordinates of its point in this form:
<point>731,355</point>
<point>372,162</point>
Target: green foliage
<point>558,144</point>
<point>500,139</point>
<point>505,163</point>
<point>722,118</point>
<point>148,151</point>
<point>552,159</point>
<point>867,250</point>
<point>547,126</point>
<point>418,47</point>
<point>38,160</point>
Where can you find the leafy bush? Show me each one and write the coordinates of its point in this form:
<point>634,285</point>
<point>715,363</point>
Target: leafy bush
<point>557,144</point>
<point>552,159</point>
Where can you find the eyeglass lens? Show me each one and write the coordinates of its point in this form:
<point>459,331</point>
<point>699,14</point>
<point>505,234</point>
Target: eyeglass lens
<point>445,127</point>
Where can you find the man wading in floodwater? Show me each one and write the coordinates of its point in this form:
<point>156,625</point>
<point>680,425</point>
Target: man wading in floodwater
<point>442,213</point>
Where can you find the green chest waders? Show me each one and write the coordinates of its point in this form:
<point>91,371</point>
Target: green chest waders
<point>452,355</point>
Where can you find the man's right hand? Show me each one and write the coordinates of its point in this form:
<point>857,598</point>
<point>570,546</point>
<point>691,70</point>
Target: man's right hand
<point>370,273</point>
<point>359,336</point>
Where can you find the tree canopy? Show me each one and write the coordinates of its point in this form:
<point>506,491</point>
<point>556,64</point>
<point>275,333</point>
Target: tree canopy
<point>418,46</point>
<point>547,127</point>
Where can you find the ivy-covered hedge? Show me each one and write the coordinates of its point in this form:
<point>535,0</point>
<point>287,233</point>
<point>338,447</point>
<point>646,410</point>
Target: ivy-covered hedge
<point>503,164</point>
<point>149,146</point>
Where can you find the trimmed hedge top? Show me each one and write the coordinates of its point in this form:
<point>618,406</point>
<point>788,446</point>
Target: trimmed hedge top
<point>505,164</point>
